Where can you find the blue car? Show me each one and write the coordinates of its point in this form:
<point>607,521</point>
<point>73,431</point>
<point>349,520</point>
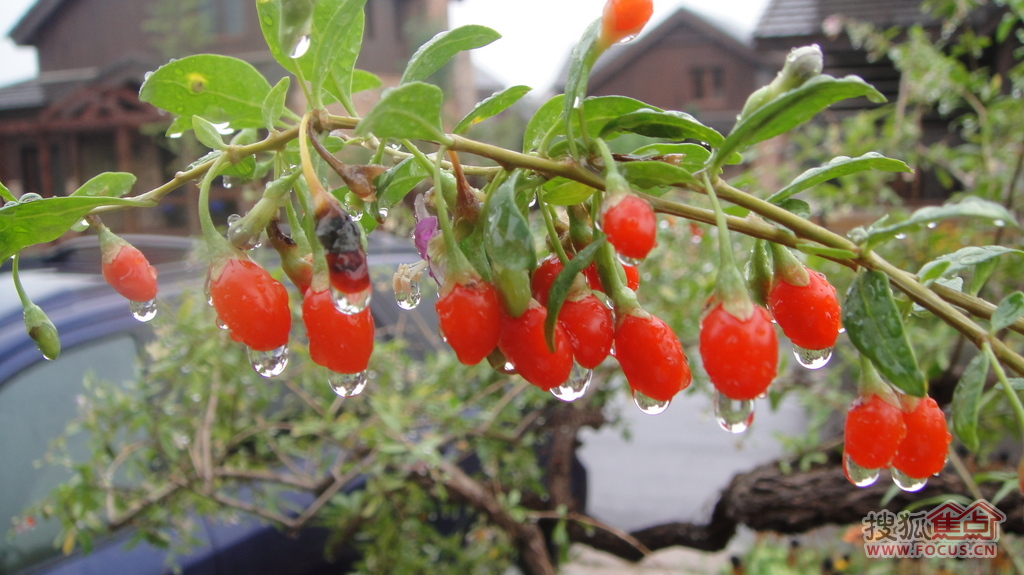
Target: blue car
<point>38,399</point>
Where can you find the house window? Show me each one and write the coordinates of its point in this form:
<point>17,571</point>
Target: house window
<point>708,83</point>
<point>717,82</point>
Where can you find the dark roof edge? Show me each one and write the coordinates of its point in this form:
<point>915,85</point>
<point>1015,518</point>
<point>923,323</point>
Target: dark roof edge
<point>25,30</point>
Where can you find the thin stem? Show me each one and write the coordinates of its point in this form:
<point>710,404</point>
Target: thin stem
<point>457,262</point>
<point>549,223</point>
<point>1011,395</point>
<point>215,242</point>
<point>25,301</point>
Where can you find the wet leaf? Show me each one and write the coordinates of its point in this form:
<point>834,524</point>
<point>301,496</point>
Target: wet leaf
<point>560,287</point>
<point>967,401</point>
<point>411,111</point>
<point>962,260</point>
<point>207,134</point>
<point>363,80</point>
<point>394,184</point>
<point>565,192</point>
<point>218,88</point>
<point>970,207</point>
<point>875,327</point>
<point>437,51</point>
<point>646,175</point>
<point>107,185</point>
<point>798,207</point>
<point>581,60</point>
<point>273,105</point>
<point>335,42</point>
<point>670,125</point>
<point>541,123</point>
<point>492,106</point>
<point>507,236</point>
<point>792,108</point>
<point>840,166</point>
<point>28,223</point>
<point>6,194</point>
<point>1009,309</point>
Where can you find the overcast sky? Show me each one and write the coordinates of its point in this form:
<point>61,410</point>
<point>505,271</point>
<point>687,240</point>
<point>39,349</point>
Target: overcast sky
<point>537,34</point>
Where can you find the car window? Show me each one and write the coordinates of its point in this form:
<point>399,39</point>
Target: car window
<point>36,405</point>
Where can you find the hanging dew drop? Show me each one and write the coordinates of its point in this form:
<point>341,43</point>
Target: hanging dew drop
<point>301,46</point>
<point>143,310</point>
<point>576,386</point>
<point>733,415</point>
<point>996,223</point>
<point>628,261</point>
<point>901,236</point>
<point>351,303</point>
<point>932,225</point>
<point>80,226</point>
<point>906,482</point>
<point>411,298</point>
<point>649,405</point>
<point>812,358</point>
<point>221,324</point>
<point>269,363</point>
<point>348,384</point>
<point>858,475</point>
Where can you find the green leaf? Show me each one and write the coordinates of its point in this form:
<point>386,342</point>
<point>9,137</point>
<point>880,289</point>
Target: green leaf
<point>839,166</point>
<point>565,192</point>
<point>1009,309</point>
<point>693,155</point>
<point>269,12</point>
<point>335,42</point>
<point>492,106</point>
<point>670,125</point>
<point>207,134</point>
<point>543,120</point>
<point>507,236</point>
<point>218,88</point>
<point>437,51</point>
<point>6,194</point>
<point>28,223</point>
<point>969,207</point>
<point>363,80</point>
<point>648,174</point>
<point>601,111</point>
<point>560,287</point>
<point>411,111</point>
<point>798,207</point>
<point>394,184</point>
<point>791,109</point>
<point>581,60</point>
<point>967,400</point>
<point>960,261</point>
<point>875,327</point>
<point>273,105</point>
<point>107,185</point>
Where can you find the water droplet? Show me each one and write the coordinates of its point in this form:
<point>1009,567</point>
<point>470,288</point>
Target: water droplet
<point>348,384</point>
<point>842,330</point>
<point>901,236</point>
<point>627,38</point>
<point>221,324</point>
<point>143,310</point>
<point>906,482</point>
<point>649,405</point>
<point>996,223</point>
<point>858,475</point>
<point>9,204</point>
<point>351,303</point>
<point>29,197</point>
<point>242,237</point>
<point>509,367</point>
<point>206,290</point>
<point>409,299</point>
<point>269,363</point>
<point>812,358</point>
<point>576,386</point>
<point>626,261</point>
<point>80,226</point>
<point>175,135</point>
<point>733,415</point>
<point>301,46</point>
<point>382,214</point>
<point>932,225</point>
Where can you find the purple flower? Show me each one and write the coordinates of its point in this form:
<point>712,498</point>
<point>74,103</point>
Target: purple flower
<point>421,234</point>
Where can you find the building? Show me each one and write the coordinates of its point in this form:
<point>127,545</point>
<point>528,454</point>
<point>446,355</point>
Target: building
<point>81,116</point>
<point>686,63</point>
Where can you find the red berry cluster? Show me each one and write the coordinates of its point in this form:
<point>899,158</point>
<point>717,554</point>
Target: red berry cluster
<point>913,440</point>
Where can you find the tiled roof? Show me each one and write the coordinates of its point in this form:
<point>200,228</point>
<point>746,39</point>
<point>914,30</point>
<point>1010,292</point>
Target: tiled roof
<point>22,95</point>
<point>804,17</point>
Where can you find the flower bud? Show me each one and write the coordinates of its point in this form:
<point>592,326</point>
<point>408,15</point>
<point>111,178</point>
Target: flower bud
<point>42,331</point>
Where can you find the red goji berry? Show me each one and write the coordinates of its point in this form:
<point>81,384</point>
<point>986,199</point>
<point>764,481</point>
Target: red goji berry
<point>543,277</point>
<point>624,19</point>
<point>339,341</point>
<point>809,315</point>
<point>129,273</point>
<point>873,432</point>
<point>522,341</point>
<point>923,451</point>
<point>252,304</point>
<point>588,323</point>
<point>470,319</point>
<point>630,225</point>
<point>651,356</point>
<point>594,279</point>
<point>741,357</point>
